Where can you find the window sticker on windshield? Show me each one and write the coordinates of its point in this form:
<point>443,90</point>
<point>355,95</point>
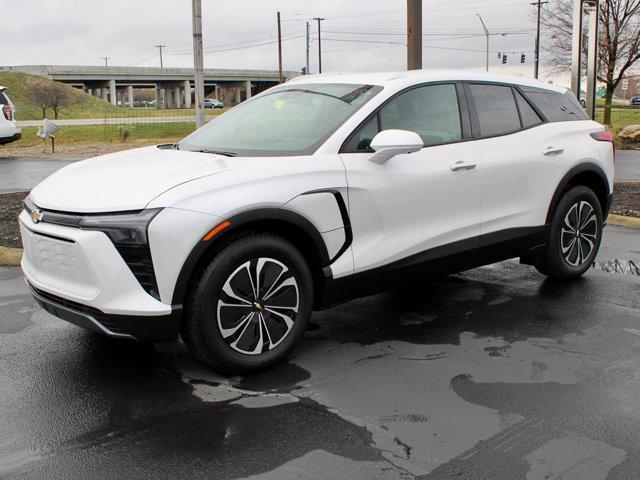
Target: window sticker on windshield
<point>280,104</point>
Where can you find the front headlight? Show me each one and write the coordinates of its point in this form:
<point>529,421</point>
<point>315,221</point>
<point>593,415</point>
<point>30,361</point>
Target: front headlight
<point>123,229</point>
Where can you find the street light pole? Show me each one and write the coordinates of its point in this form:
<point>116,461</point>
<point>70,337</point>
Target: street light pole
<point>486,32</point>
<point>198,61</point>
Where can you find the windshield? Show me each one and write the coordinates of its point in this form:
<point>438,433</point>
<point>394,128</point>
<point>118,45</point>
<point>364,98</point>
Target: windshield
<point>293,120</point>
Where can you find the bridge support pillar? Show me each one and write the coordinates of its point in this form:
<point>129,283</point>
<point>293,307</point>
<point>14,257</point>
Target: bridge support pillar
<point>176,96</point>
<point>238,93</point>
<point>105,93</point>
<point>167,98</point>
<point>158,101</point>
<point>247,86</point>
<point>90,91</point>
<point>112,92</point>
<point>130,95</point>
<point>187,94</point>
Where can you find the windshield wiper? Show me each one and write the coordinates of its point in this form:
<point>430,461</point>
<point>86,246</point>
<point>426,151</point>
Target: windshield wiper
<point>216,152</point>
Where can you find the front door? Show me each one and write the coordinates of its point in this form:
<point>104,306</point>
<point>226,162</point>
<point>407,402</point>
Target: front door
<point>418,208</point>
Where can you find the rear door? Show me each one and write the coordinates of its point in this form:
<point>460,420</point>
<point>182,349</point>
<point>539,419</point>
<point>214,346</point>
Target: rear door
<point>421,206</point>
<point>511,139</point>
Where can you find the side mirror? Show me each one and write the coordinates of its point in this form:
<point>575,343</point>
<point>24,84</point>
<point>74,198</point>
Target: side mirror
<point>389,143</point>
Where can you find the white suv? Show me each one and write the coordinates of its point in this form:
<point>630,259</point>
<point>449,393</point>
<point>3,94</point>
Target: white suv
<point>9,130</point>
<point>317,191</point>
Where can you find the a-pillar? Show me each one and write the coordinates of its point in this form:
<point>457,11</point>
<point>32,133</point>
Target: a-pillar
<point>130,95</point>
<point>112,92</point>
<point>176,96</point>
<point>187,94</point>
<point>247,87</point>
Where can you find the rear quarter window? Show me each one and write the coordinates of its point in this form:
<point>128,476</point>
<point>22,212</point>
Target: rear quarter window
<point>557,107</point>
<point>4,100</point>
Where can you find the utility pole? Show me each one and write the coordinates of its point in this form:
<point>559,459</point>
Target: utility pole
<point>486,32</point>
<point>414,34</point>
<point>160,47</point>
<point>307,69</point>
<point>106,61</point>
<point>536,70</point>
<point>319,45</point>
<point>279,50</point>
<point>198,61</point>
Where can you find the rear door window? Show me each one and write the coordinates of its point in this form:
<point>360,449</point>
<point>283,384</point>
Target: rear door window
<point>557,107</point>
<point>496,109</point>
<point>528,115</point>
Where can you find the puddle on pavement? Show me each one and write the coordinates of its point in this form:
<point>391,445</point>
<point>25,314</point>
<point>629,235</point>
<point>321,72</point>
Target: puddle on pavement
<point>619,266</point>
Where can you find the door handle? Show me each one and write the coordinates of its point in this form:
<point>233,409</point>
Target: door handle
<point>462,166</point>
<point>553,150</point>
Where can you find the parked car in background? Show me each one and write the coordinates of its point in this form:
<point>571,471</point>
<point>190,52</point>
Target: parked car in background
<point>319,190</point>
<point>9,130</point>
<point>213,103</point>
<point>635,100</point>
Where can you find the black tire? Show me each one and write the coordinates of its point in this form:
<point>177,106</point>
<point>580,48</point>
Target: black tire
<point>202,328</point>
<point>565,256</point>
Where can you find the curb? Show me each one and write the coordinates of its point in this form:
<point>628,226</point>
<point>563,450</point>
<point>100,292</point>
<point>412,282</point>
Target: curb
<point>623,221</point>
<point>10,257</point>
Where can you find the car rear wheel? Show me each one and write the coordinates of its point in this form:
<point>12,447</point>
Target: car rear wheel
<point>251,305</point>
<point>574,236</point>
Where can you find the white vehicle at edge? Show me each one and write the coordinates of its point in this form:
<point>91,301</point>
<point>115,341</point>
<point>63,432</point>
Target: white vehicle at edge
<point>314,192</point>
<point>9,130</point>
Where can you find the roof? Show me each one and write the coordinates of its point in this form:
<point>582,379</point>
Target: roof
<point>419,76</point>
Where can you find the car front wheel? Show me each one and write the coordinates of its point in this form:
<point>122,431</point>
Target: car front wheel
<point>250,306</point>
<point>574,236</point>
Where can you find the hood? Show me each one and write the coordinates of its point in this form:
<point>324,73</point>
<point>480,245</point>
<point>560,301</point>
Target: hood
<point>126,180</point>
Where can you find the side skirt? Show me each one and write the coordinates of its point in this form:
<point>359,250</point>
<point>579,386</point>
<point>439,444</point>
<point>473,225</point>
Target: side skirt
<point>439,261</point>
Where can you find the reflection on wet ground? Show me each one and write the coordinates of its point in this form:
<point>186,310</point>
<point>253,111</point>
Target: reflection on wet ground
<point>619,266</point>
<point>495,373</point>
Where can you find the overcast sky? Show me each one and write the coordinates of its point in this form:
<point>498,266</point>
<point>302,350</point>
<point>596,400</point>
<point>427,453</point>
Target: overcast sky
<point>358,35</point>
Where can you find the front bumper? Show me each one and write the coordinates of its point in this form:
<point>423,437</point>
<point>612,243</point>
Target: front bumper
<point>156,329</point>
<point>79,276</point>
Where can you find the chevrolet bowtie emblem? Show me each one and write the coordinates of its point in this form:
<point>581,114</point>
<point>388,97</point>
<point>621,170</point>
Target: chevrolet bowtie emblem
<point>36,216</point>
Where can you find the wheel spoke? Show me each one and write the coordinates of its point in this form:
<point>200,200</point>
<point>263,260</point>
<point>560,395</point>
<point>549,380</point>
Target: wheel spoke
<point>569,247</point>
<point>227,332</point>
<point>253,325</point>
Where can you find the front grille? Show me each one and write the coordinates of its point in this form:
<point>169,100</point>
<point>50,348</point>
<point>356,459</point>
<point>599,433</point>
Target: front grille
<point>138,259</point>
<point>94,312</point>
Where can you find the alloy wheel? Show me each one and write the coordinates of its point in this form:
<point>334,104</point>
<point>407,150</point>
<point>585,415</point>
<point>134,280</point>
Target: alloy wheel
<point>257,306</point>
<point>579,233</point>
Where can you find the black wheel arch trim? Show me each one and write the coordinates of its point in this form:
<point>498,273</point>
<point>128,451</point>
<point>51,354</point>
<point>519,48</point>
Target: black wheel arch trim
<point>237,222</point>
<point>587,167</point>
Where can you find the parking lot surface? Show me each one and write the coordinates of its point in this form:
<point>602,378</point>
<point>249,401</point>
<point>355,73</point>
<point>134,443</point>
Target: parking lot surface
<point>495,373</point>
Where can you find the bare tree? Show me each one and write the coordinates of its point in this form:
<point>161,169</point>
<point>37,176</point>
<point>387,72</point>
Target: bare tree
<point>618,42</point>
<point>51,95</point>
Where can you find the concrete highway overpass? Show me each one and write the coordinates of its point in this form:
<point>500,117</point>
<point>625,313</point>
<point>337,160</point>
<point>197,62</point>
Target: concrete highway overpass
<point>173,86</point>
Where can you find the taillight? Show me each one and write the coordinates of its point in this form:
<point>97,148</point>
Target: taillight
<point>8,112</point>
<point>604,136</point>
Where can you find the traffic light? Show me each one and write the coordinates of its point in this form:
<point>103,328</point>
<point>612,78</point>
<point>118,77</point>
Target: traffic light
<point>504,58</point>
<point>523,58</point>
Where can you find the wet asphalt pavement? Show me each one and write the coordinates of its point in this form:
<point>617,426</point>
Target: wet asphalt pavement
<point>496,373</point>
